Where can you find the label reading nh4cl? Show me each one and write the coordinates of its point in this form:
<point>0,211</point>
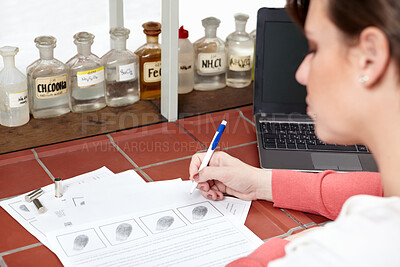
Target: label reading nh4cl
<point>126,72</point>
<point>239,63</point>
<point>214,63</point>
<point>18,99</point>
<point>152,72</point>
<point>90,77</point>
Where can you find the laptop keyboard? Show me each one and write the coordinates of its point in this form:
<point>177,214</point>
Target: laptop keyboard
<point>299,136</point>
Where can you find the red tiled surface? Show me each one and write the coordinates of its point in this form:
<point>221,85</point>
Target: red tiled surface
<point>15,157</point>
<point>247,154</point>
<point>69,159</point>
<point>12,234</point>
<point>38,256</point>
<point>156,143</point>
<point>266,221</point>
<point>238,130</point>
<point>247,112</point>
<point>172,170</point>
<point>21,177</point>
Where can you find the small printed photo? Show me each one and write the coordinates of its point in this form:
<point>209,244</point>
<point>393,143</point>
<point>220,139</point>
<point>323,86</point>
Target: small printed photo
<point>24,209</point>
<point>200,212</point>
<point>162,221</point>
<point>80,242</point>
<point>122,232</point>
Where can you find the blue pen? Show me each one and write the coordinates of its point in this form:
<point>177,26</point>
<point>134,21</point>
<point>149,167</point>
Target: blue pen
<point>211,148</point>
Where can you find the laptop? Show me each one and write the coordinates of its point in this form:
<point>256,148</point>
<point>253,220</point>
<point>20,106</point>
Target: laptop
<point>285,134</point>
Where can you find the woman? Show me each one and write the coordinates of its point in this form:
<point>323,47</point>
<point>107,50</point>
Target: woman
<point>352,74</point>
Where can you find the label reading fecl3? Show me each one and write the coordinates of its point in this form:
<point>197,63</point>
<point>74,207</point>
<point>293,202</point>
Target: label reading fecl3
<point>239,63</point>
<point>90,78</point>
<point>214,63</point>
<point>18,99</point>
<point>152,72</point>
<point>126,72</point>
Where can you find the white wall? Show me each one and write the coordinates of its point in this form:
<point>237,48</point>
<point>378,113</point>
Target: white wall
<point>22,20</point>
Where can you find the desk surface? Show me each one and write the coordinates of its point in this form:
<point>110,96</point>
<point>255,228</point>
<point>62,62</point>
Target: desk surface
<point>157,152</point>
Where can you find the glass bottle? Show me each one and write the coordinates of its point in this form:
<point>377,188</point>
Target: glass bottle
<point>121,71</point>
<point>185,63</point>
<point>47,82</point>
<point>240,50</point>
<point>150,62</point>
<point>86,71</point>
<point>210,58</point>
<point>14,108</point>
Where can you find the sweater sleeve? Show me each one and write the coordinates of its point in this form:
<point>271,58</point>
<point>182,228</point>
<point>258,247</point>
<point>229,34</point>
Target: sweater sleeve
<point>321,193</point>
<point>269,251</point>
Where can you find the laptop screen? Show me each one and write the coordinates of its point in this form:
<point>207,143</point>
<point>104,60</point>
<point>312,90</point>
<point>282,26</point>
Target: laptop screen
<point>281,47</point>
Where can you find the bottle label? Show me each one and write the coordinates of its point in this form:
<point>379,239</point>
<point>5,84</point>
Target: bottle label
<point>239,63</point>
<point>126,72</point>
<point>185,66</point>
<point>90,78</point>
<point>49,87</point>
<point>152,72</point>
<point>212,63</point>
<point>18,99</point>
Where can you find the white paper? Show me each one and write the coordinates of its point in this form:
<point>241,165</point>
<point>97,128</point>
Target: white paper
<point>27,214</point>
<point>187,234</point>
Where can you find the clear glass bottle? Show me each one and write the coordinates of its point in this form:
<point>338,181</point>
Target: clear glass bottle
<point>150,62</point>
<point>86,75</point>
<point>121,71</point>
<point>14,108</point>
<point>47,82</point>
<point>210,58</point>
<point>185,63</point>
<point>240,51</point>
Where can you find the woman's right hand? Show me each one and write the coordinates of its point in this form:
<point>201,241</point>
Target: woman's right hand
<point>226,174</point>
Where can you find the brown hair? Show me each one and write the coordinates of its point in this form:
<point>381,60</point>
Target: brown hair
<point>352,16</point>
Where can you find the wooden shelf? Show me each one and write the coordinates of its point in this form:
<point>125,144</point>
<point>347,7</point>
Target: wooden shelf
<point>39,132</point>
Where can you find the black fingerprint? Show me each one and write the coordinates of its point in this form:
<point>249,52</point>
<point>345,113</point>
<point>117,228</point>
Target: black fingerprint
<point>199,212</point>
<point>80,242</point>
<point>123,231</point>
<point>164,223</point>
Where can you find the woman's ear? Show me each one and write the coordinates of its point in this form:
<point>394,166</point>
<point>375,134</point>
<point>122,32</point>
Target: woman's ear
<point>375,55</point>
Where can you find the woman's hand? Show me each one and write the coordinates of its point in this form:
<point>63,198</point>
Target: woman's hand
<point>226,174</point>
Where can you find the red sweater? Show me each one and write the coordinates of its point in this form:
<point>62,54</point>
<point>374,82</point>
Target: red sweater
<point>320,193</point>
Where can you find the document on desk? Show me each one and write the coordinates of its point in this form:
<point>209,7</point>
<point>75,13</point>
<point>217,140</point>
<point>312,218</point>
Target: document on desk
<point>27,215</point>
<point>190,233</point>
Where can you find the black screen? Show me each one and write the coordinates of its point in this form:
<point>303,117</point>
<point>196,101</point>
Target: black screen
<point>284,48</point>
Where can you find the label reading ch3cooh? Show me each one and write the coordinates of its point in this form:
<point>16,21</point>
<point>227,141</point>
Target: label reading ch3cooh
<point>49,87</point>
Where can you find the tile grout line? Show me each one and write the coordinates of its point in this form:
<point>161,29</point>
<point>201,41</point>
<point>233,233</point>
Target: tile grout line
<point>20,249</point>
<point>42,164</point>
<point>288,233</point>
<point>191,135</point>
<point>244,117</point>
<point>241,145</point>
<point>291,217</point>
<point>167,161</point>
<point>128,158</point>
<point>2,262</point>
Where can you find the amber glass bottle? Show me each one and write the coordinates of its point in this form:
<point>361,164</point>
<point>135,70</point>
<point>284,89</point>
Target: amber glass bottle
<point>150,62</point>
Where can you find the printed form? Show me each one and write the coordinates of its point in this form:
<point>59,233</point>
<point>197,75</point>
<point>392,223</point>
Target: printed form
<point>195,233</point>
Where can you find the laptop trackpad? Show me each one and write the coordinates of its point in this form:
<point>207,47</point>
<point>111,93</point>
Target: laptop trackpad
<point>332,161</point>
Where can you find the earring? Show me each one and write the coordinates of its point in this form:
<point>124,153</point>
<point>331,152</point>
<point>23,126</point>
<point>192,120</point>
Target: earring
<point>364,79</point>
